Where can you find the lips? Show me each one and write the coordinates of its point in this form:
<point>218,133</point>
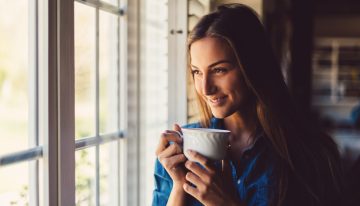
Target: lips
<point>217,100</point>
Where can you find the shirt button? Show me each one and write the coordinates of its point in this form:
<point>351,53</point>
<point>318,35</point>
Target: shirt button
<point>238,181</point>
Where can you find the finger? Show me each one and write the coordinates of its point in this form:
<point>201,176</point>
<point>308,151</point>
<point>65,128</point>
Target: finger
<point>205,176</point>
<point>173,161</point>
<point>191,190</point>
<point>173,136</point>
<point>177,128</point>
<point>195,180</point>
<point>175,132</point>
<point>195,156</point>
<point>171,150</point>
<point>165,139</point>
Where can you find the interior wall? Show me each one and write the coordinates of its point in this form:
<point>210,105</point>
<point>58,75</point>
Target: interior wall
<point>257,5</point>
<point>337,26</point>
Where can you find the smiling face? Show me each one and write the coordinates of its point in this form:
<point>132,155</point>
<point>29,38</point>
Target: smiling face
<point>217,76</point>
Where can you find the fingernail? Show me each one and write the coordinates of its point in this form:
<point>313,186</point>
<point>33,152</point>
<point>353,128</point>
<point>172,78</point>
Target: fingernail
<point>190,152</point>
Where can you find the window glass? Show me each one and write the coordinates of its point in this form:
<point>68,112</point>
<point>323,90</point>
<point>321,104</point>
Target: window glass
<point>113,2</point>
<point>14,73</point>
<point>85,64</point>
<point>14,191</point>
<point>108,75</point>
<point>85,178</point>
<point>109,177</point>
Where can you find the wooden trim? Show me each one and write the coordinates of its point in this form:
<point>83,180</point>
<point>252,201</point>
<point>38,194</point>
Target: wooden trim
<point>177,64</point>
<point>66,102</point>
<point>50,131</point>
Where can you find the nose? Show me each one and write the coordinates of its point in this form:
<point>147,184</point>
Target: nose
<point>208,85</point>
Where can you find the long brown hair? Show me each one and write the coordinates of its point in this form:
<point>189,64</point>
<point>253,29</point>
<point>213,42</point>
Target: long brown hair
<point>305,155</point>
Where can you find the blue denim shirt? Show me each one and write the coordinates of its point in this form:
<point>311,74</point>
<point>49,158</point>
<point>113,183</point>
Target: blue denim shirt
<point>255,179</point>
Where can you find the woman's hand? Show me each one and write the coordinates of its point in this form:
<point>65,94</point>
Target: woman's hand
<point>212,187</point>
<point>171,156</point>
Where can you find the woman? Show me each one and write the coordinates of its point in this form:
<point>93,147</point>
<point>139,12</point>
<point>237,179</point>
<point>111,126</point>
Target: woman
<point>274,158</point>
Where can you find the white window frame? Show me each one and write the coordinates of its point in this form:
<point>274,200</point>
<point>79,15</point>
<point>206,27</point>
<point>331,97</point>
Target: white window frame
<point>66,80</point>
<point>177,79</point>
<point>57,113</point>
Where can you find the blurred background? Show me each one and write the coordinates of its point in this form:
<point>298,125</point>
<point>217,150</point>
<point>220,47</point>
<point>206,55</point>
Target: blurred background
<point>129,84</point>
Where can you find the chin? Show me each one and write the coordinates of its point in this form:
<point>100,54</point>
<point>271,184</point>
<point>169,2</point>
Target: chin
<point>221,114</point>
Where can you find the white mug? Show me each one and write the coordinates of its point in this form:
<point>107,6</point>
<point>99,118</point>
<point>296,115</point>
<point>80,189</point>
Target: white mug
<point>211,143</point>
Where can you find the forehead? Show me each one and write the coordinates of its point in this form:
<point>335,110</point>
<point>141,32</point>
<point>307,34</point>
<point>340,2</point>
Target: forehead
<point>208,50</point>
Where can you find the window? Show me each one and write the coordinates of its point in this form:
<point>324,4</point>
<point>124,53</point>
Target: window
<point>336,82</point>
<point>63,100</point>
<point>22,26</point>
<point>72,74</point>
<point>98,103</point>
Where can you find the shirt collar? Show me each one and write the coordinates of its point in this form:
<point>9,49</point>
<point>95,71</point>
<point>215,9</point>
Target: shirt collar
<point>259,136</point>
<point>216,123</point>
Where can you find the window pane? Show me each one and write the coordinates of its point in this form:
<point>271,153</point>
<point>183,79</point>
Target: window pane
<point>14,187</point>
<point>14,61</point>
<point>113,2</point>
<point>85,169</point>
<point>41,182</point>
<point>109,174</point>
<point>108,65</point>
<point>85,56</point>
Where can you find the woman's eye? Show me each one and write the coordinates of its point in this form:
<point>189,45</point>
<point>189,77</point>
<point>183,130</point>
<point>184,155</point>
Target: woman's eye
<point>195,72</point>
<point>219,70</point>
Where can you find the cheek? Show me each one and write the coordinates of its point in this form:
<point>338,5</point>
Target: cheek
<point>197,85</point>
<point>241,93</point>
<point>237,88</point>
<point>238,96</point>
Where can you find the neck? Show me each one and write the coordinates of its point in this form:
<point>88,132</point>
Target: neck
<point>242,126</point>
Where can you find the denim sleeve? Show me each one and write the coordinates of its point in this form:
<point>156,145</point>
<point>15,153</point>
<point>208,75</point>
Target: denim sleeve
<point>192,125</point>
<point>259,178</point>
<point>163,185</point>
<point>261,197</point>
<point>262,191</point>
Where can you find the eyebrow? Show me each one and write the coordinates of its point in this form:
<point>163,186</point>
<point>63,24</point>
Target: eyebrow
<point>216,63</point>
